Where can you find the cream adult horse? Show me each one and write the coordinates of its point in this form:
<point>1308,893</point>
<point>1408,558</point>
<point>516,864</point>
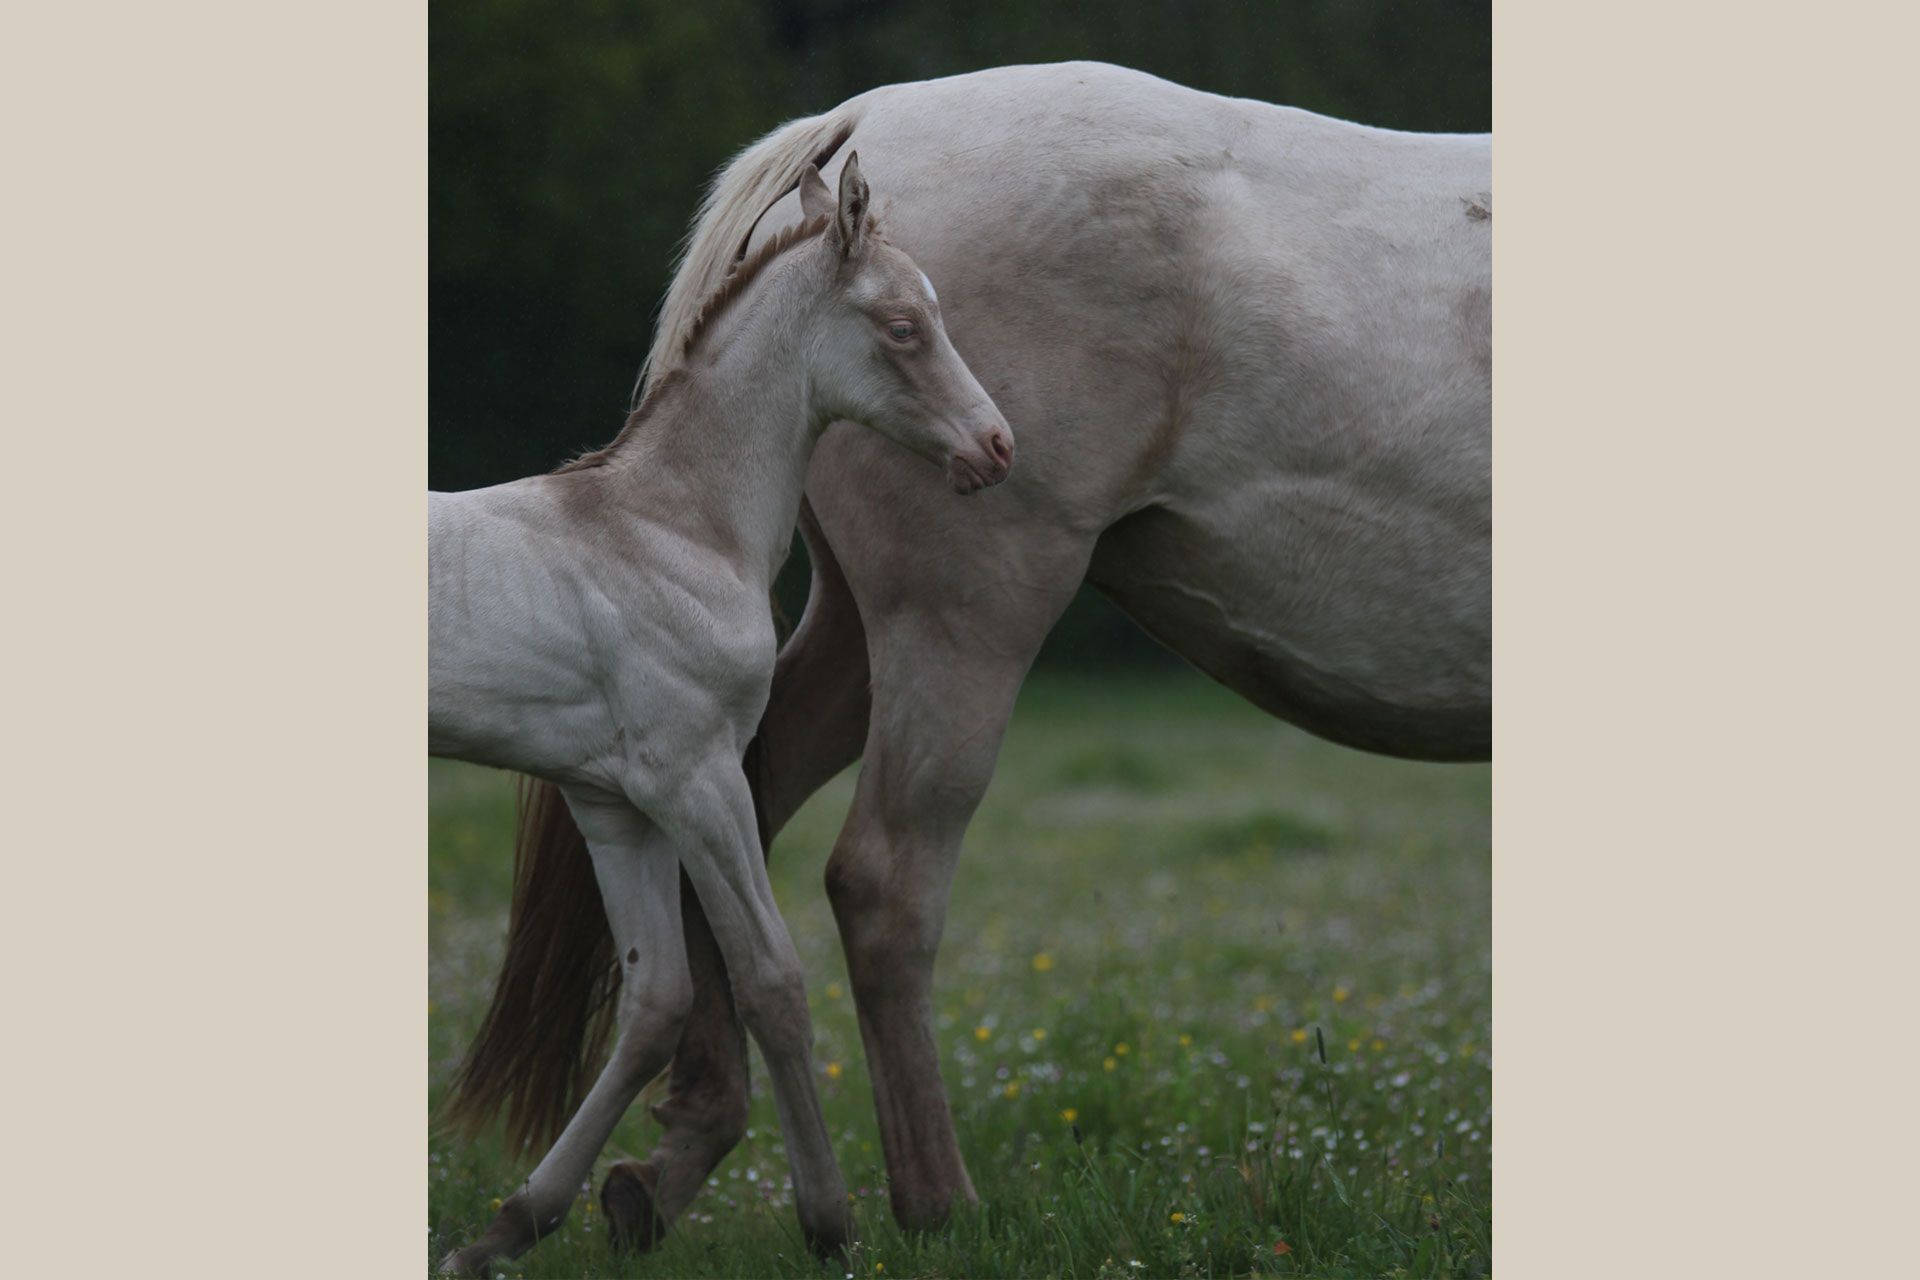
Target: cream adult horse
<point>1248,352</point>
<point>605,628</point>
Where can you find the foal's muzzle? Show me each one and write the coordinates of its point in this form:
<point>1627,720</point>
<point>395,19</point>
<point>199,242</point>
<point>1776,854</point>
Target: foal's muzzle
<point>984,462</point>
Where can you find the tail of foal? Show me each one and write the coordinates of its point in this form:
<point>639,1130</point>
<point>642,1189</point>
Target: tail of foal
<point>545,1034</point>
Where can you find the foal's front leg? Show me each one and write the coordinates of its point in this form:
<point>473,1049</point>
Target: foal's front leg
<point>639,876</point>
<point>712,820</point>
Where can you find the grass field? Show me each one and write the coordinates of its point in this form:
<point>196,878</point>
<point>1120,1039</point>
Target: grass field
<point>1214,1001</point>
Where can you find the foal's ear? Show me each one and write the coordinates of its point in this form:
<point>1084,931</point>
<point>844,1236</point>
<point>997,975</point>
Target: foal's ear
<point>850,219</point>
<point>815,200</point>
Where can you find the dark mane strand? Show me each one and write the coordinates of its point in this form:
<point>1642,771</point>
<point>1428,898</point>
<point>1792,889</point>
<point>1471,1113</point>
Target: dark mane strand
<point>743,274</point>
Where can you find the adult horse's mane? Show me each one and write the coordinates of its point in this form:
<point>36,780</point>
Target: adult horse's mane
<point>730,288</point>
<point>741,193</point>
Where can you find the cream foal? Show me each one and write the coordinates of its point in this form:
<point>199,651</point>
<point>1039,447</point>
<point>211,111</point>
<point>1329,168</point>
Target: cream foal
<point>606,628</point>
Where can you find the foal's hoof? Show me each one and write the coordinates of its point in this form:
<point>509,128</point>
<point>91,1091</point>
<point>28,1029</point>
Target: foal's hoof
<point>470,1261</point>
<point>627,1196</point>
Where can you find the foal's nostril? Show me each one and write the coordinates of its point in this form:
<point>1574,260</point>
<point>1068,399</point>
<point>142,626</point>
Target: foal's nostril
<point>1001,448</point>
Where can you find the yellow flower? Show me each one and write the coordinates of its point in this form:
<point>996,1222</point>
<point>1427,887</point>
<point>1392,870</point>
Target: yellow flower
<point>878,1267</point>
<point>1122,1049</point>
<point>833,1071</point>
<point>1263,1004</point>
<point>1013,1089</point>
<point>1070,1115</point>
<point>1110,1063</point>
<point>1042,962</point>
<point>1299,1035</point>
<point>494,1204</point>
<point>1378,1044</point>
<point>833,991</point>
<point>982,1033</point>
<point>1039,1033</point>
<point>1353,1046</point>
<point>1186,1041</point>
<point>1340,995</point>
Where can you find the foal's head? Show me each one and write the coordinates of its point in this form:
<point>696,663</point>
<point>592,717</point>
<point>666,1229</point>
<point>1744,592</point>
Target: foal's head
<point>880,354</point>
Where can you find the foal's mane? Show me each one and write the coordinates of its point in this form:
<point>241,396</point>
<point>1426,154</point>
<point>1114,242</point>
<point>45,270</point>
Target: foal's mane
<point>743,273</point>
<point>731,287</point>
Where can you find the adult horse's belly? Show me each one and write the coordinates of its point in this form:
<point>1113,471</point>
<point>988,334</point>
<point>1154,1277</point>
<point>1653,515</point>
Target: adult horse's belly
<point>1358,620</point>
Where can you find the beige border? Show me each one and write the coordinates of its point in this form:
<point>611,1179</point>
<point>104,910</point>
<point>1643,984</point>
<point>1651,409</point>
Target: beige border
<point>215,903</point>
<point>214,926</point>
<point>1704,474</point>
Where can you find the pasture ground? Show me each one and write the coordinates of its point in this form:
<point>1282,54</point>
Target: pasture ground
<point>1168,904</point>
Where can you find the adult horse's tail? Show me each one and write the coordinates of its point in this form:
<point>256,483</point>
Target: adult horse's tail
<point>541,1043</point>
<point>540,1046</point>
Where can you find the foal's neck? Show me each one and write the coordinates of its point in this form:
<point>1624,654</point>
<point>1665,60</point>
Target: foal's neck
<point>724,456</point>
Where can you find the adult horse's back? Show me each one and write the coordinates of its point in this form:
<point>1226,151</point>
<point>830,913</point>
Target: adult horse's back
<point>1246,351</point>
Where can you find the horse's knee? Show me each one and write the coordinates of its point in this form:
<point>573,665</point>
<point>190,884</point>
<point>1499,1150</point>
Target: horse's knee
<point>854,882</point>
<point>713,1107</point>
<point>890,937</point>
<point>709,1094</point>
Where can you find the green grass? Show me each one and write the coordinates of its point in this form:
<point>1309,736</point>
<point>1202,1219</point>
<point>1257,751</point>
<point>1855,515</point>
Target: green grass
<point>1167,903</point>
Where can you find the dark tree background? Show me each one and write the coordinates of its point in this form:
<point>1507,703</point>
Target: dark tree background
<point>571,139</point>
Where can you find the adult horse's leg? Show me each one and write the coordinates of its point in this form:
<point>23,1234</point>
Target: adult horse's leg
<point>639,882</point>
<point>947,663</point>
<point>813,727</point>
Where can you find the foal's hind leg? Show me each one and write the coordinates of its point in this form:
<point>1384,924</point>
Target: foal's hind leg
<point>814,724</point>
<point>711,817</point>
<point>640,882</point>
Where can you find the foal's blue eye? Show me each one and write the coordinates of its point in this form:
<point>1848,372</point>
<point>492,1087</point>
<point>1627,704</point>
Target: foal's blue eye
<point>900,330</point>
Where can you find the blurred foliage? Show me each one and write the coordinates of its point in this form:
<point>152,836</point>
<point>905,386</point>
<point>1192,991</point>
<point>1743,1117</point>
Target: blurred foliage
<point>570,142</point>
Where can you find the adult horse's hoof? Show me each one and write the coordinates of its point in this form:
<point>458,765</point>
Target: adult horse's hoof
<point>828,1234</point>
<point>627,1195</point>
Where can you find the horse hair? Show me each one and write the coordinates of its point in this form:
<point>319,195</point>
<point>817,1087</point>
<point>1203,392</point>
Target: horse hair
<point>730,288</point>
<point>556,986</point>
